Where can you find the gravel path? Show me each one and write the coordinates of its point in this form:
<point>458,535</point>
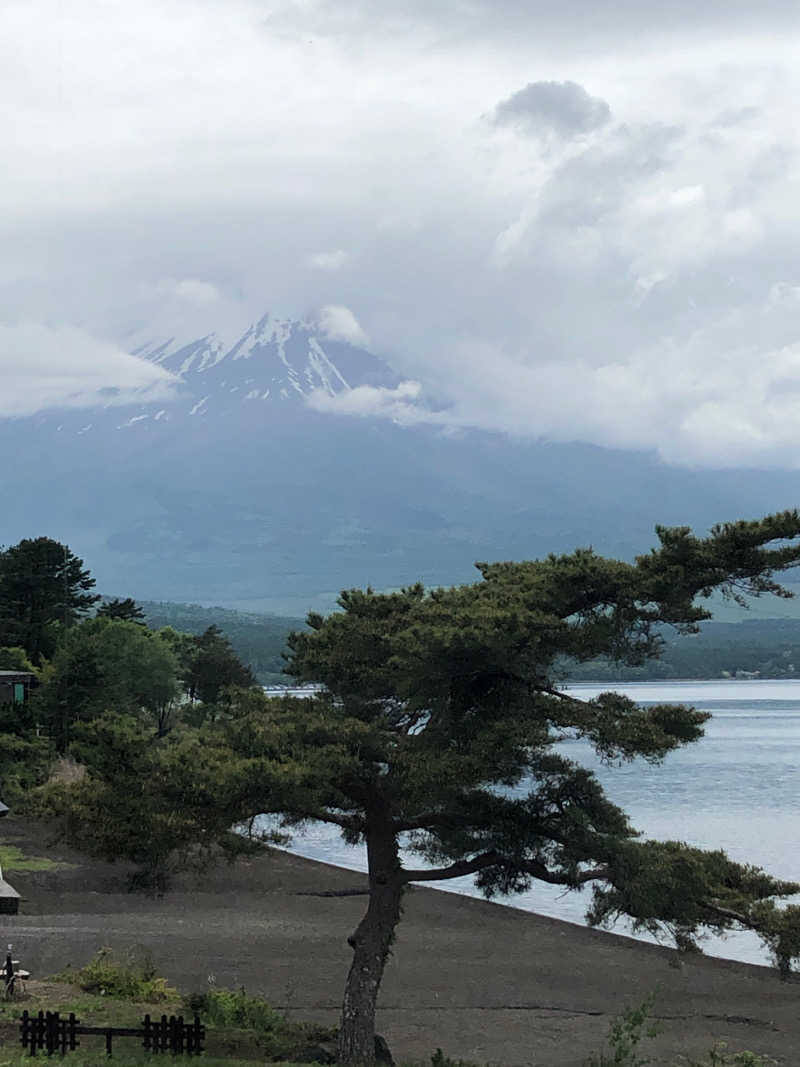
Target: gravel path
<point>484,982</point>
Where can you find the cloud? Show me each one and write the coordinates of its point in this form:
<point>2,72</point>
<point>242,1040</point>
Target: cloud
<point>563,107</point>
<point>568,26</point>
<point>628,406</point>
<point>714,400</point>
<point>191,290</point>
<point>529,283</point>
<point>338,323</point>
<point>367,401</point>
<point>330,261</point>
<point>43,367</point>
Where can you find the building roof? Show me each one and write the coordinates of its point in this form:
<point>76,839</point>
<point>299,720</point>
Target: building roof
<point>16,674</point>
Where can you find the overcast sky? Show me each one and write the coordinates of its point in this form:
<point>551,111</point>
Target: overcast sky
<point>562,219</point>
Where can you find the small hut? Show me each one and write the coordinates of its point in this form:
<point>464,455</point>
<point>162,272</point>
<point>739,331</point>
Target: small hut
<point>15,686</point>
<point>9,897</point>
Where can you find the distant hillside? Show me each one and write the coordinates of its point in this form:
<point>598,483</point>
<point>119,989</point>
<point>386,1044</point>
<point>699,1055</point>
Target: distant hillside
<point>257,639</point>
<point>765,648</point>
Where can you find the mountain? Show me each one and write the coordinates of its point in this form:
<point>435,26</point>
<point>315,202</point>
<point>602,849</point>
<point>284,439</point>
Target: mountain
<point>237,492</point>
<point>275,360</point>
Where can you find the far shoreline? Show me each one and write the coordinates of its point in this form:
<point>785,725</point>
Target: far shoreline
<point>277,690</point>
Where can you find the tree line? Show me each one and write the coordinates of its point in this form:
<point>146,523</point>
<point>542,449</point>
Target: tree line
<point>434,704</point>
<point>90,658</point>
<point>258,640</point>
<point>766,648</point>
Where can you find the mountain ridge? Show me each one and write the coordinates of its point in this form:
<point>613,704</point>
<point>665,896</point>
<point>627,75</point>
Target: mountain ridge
<point>273,359</point>
<point>237,491</point>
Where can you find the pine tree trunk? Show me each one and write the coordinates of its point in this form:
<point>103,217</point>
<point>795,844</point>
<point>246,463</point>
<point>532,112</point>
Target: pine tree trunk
<point>371,942</point>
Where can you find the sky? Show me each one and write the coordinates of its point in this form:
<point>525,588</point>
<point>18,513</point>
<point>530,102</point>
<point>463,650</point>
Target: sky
<point>566,220</point>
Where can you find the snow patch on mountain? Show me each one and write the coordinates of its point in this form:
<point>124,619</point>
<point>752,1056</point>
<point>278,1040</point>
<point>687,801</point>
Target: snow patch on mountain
<point>273,360</point>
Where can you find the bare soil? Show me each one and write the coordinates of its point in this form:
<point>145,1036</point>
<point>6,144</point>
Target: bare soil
<point>482,981</point>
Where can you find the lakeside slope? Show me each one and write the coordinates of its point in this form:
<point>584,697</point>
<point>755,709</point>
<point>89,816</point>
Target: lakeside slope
<point>481,981</point>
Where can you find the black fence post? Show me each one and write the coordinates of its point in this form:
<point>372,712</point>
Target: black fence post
<point>52,1033</point>
<point>37,1038</point>
<point>24,1029</point>
<point>51,1026</point>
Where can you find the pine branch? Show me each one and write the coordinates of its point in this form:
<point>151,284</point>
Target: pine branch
<point>455,870</point>
<point>495,859</point>
<point>346,822</point>
<point>729,913</point>
<point>420,822</point>
<point>539,871</point>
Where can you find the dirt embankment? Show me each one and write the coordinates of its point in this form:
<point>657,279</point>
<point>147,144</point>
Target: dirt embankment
<point>482,981</point>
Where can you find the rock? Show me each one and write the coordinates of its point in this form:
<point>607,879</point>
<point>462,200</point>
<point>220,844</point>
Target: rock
<point>320,1054</point>
<point>313,1054</point>
<point>382,1052</point>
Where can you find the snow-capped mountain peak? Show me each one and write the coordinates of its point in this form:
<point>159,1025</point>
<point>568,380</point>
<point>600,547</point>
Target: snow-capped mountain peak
<point>274,359</point>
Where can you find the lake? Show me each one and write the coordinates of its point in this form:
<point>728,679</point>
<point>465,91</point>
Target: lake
<point>737,789</point>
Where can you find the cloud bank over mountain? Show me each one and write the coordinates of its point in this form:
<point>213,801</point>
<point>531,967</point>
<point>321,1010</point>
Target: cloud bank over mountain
<point>43,367</point>
<point>565,222</point>
<point>338,323</point>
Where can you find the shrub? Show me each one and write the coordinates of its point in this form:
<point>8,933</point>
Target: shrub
<point>627,1031</point>
<point>438,1059</point>
<point>129,978</point>
<point>624,1036</point>
<point>720,1057</point>
<point>277,1037</point>
<point>234,1008</point>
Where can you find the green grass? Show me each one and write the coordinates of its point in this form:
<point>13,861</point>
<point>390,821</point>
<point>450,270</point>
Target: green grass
<point>91,1008</point>
<point>129,978</point>
<point>14,859</point>
<point>243,1028</point>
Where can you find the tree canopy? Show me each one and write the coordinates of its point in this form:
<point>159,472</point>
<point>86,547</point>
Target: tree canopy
<point>212,666</point>
<point>438,704</point>
<point>161,802</point>
<point>127,610</point>
<point>106,664</point>
<point>43,586</point>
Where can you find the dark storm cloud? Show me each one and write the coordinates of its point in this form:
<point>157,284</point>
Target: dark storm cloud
<point>564,107</point>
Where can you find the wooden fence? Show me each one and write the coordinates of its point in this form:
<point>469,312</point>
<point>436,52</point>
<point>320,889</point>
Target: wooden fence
<point>51,1033</point>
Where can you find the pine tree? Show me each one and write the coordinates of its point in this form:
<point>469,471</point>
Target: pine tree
<point>43,587</point>
<point>126,610</point>
<point>437,703</point>
<point>213,666</point>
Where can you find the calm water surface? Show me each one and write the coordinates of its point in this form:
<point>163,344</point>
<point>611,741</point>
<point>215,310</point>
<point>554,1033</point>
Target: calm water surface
<point>738,789</point>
